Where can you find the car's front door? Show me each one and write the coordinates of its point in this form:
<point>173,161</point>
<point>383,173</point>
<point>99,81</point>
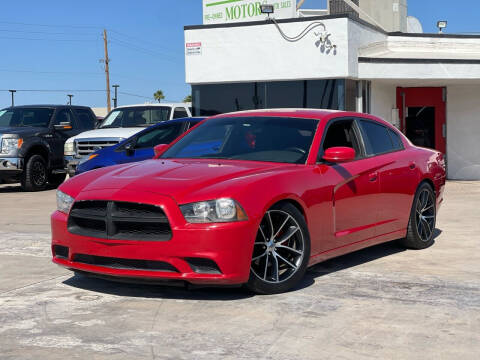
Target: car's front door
<point>355,187</point>
<point>59,136</point>
<point>141,147</point>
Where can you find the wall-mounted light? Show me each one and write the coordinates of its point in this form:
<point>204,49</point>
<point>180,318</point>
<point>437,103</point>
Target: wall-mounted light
<point>442,24</point>
<point>267,9</point>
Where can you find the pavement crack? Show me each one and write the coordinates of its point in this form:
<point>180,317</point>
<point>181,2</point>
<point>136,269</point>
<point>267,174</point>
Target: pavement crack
<point>32,284</point>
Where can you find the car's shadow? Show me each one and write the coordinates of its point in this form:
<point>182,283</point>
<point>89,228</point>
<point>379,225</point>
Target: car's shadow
<point>228,294</point>
<point>16,188</point>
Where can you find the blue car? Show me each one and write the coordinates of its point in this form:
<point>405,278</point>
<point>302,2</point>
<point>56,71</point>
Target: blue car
<point>138,147</point>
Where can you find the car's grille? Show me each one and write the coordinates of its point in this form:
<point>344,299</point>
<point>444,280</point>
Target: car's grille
<point>119,221</point>
<point>125,264</point>
<point>86,147</point>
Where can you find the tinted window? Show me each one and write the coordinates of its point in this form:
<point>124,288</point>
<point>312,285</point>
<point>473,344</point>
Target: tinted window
<point>138,116</point>
<point>160,135</point>
<point>251,138</point>
<point>213,99</point>
<point>377,139</point>
<point>63,116</point>
<point>341,133</point>
<point>84,119</point>
<point>25,117</point>
<point>180,112</point>
<point>397,142</point>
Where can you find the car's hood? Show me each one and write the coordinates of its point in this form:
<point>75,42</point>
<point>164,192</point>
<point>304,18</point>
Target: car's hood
<point>116,133</point>
<point>22,131</point>
<point>174,178</point>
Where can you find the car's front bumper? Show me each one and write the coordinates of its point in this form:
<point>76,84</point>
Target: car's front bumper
<point>71,163</point>
<point>229,246</point>
<point>10,168</point>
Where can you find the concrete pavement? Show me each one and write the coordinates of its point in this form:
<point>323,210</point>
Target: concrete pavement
<point>382,303</point>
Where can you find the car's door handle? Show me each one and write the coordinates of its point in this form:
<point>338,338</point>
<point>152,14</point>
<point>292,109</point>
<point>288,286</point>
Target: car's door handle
<point>412,166</point>
<point>373,176</point>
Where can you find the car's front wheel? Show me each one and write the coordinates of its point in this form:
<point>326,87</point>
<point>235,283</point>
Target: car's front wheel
<point>281,251</point>
<point>34,177</point>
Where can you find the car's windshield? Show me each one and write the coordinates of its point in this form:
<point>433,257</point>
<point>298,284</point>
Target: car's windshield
<point>272,139</point>
<point>136,117</point>
<point>21,117</point>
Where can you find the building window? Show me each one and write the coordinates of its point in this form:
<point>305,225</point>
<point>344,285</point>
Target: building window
<point>213,99</point>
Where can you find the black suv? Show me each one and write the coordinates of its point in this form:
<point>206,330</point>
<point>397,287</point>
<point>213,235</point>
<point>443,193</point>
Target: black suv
<point>32,139</point>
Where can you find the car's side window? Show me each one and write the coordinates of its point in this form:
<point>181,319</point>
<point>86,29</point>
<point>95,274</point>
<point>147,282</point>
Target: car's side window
<point>64,116</point>
<point>85,119</point>
<point>397,142</point>
<point>180,112</point>
<point>341,133</point>
<point>160,135</point>
<point>377,138</point>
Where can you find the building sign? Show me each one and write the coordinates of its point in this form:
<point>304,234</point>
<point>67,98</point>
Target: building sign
<point>229,11</point>
<point>193,48</point>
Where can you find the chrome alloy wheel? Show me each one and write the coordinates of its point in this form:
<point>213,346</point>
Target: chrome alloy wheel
<point>279,247</point>
<point>425,215</point>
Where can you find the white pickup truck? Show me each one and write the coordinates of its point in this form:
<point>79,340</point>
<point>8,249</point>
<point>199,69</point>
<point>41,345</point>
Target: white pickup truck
<point>121,123</point>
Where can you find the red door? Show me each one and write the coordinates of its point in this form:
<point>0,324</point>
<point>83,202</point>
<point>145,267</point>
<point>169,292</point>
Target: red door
<point>423,116</point>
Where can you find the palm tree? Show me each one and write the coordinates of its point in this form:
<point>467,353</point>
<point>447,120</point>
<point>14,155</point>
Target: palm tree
<point>188,99</point>
<point>158,95</point>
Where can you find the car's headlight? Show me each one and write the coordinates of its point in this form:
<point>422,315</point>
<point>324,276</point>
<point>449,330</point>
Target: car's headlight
<point>64,202</point>
<point>221,210</point>
<point>69,149</point>
<point>10,145</point>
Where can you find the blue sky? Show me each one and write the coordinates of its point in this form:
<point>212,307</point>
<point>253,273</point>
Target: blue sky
<point>54,44</point>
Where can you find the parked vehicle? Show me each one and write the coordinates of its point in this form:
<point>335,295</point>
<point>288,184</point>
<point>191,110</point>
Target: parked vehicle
<point>276,192</point>
<point>121,123</point>
<point>32,139</point>
<point>137,147</point>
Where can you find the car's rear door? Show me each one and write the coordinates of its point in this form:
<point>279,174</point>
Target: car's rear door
<point>397,176</point>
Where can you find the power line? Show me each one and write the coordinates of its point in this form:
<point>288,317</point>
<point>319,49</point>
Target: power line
<point>135,95</point>
<point>57,90</point>
<point>51,72</point>
<point>141,49</point>
<point>45,39</point>
<point>54,26</point>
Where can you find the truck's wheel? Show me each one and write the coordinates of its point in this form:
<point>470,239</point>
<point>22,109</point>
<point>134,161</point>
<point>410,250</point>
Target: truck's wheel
<point>56,179</point>
<point>34,177</point>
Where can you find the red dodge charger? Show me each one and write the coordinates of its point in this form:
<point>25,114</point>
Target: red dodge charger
<point>251,198</point>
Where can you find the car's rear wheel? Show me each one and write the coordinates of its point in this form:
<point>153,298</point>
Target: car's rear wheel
<point>281,251</point>
<point>34,177</point>
<point>422,220</point>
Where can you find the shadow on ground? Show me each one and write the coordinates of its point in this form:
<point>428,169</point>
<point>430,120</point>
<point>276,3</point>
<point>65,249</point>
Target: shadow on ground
<point>228,294</point>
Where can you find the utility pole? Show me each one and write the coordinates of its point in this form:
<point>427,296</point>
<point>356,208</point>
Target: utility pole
<point>115,99</point>
<point>107,73</point>
<point>13,100</point>
<point>70,99</point>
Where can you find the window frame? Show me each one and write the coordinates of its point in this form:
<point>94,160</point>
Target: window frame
<point>387,128</point>
<point>357,133</point>
<point>182,108</point>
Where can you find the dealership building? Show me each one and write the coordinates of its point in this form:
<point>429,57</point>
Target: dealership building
<point>358,55</point>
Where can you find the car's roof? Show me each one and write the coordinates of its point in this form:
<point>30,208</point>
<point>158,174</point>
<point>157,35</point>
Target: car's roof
<point>153,105</point>
<point>46,106</point>
<point>196,118</point>
<point>305,113</point>
<point>318,114</point>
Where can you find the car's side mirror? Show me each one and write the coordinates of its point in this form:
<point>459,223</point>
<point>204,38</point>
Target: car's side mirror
<point>159,150</point>
<point>129,149</point>
<point>66,125</point>
<point>339,154</point>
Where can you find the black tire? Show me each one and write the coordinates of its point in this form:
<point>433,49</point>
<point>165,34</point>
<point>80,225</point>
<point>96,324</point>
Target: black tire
<point>35,175</point>
<point>55,180</point>
<point>421,224</point>
<point>277,250</point>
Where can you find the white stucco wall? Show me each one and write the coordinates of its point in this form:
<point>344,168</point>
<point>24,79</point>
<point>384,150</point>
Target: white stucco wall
<point>463,132</point>
<point>383,100</point>
<point>259,53</point>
